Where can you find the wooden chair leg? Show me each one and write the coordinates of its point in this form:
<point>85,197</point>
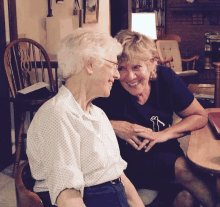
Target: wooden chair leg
<point>217,84</point>
<point>19,143</point>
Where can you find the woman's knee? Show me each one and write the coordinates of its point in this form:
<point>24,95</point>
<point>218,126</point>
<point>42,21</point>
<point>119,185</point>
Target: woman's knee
<point>185,199</point>
<point>183,173</point>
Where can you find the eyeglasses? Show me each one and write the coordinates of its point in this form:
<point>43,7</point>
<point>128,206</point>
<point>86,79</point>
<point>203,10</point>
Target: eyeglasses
<point>115,64</point>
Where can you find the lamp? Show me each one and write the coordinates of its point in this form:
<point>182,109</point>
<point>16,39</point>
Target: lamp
<point>59,1</point>
<point>144,23</point>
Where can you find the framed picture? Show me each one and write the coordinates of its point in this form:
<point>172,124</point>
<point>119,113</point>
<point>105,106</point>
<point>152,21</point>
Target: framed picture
<point>91,11</point>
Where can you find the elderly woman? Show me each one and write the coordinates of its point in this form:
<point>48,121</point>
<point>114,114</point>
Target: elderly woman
<point>71,146</point>
<point>141,108</point>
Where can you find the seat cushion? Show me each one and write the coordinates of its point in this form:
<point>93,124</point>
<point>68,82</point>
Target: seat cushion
<point>147,196</point>
<point>187,73</point>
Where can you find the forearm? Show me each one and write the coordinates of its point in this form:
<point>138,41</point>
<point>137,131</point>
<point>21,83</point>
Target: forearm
<point>70,198</point>
<point>117,127</point>
<point>134,199</point>
<point>185,126</point>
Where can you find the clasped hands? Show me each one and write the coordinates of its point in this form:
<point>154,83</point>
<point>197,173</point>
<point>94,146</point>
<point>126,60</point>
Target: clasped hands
<point>138,136</point>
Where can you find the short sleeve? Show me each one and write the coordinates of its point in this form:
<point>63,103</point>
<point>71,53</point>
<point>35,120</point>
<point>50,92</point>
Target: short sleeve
<point>59,151</point>
<point>181,96</point>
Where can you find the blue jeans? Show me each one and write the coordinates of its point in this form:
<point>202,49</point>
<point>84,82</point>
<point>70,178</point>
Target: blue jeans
<point>103,195</point>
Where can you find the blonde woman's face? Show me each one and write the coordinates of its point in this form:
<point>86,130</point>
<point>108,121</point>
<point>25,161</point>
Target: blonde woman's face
<point>134,76</point>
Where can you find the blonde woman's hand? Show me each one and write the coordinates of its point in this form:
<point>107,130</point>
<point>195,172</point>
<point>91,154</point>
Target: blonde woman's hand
<point>132,133</point>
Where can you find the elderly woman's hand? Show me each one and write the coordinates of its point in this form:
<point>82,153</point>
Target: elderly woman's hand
<point>132,133</point>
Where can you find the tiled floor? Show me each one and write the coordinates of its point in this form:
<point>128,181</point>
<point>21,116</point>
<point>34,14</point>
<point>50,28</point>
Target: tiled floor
<point>7,188</point>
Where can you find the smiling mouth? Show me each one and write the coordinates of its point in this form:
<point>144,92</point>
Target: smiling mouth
<point>133,84</point>
<point>111,83</point>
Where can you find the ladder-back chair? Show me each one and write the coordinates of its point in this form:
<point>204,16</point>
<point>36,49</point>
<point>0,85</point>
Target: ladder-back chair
<point>27,63</point>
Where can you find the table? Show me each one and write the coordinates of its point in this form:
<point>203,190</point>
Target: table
<point>202,91</point>
<point>204,150</point>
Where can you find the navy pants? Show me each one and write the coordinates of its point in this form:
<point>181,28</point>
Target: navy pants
<point>106,194</point>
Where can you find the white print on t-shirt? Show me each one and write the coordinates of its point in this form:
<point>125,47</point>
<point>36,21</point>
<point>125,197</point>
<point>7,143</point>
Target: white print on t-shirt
<point>156,122</point>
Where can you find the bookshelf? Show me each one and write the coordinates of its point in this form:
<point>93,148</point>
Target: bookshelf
<point>157,6</point>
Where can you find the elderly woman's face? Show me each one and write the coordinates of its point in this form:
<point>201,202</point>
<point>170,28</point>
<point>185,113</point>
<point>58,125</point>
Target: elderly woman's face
<point>106,76</point>
<point>134,76</point>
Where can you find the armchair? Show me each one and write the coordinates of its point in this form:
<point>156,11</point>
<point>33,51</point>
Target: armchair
<point>169,54</point>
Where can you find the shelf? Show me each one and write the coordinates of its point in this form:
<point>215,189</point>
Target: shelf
<point>195,7</point>
<point>136,10</point>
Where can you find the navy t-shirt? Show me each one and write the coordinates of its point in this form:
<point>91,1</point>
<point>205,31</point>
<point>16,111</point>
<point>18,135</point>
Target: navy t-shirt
<point>168,94</point>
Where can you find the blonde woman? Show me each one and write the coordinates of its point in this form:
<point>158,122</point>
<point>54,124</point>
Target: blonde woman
<point>141,108</point>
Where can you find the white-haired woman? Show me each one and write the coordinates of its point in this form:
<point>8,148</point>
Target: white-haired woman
<point>141,108</point>
<point>71,146</point>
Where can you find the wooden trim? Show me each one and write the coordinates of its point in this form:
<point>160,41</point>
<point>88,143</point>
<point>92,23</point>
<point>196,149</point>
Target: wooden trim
<point>12,15</point>
<point>5,127</point>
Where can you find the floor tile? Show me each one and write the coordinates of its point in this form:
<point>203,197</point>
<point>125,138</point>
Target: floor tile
<point>8,171</point>
<point>7,205</point>
<point>7,194</point>
<point>4,179</point>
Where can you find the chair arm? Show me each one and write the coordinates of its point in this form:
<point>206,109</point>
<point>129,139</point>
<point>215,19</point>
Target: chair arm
<point>163,62</point>
<point>187,61</point>
<point>24,196</point>
<point>196,57</point>
<point>217,64</point>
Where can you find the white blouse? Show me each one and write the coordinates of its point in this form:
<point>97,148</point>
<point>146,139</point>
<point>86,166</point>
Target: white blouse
<point>69,148</point>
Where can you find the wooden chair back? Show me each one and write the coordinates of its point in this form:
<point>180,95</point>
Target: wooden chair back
<point>26,63</point>
<point>169,54</point>
<point>168,49</point>
<point>170,37</point>
<point>24,184</point>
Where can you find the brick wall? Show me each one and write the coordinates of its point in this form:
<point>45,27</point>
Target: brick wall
<point>191,21</point>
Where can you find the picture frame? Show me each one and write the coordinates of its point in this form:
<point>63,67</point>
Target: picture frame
<point>91,11</point>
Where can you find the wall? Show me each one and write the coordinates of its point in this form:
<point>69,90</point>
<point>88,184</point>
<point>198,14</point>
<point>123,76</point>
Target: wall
<point>191,24</point>
<point>31,23</point>
<point>32,17</point>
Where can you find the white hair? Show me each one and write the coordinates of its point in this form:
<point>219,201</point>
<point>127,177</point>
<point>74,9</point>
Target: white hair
<point>82,45</point>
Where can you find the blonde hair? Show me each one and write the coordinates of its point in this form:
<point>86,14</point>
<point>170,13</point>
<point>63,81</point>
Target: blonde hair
<point>82,45</point>
<point>138,47</point>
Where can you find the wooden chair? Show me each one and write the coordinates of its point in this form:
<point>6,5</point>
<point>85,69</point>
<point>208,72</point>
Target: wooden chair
<point>170,37</point>
<point>217,84</point>
<point>26,63</point>
<point>208,91</point>
<point>24,184</point>
<point>169,50</point>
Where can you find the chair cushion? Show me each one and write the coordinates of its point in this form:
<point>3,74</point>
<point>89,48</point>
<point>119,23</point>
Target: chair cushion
<point>187,73</point>
<point>147,196</point>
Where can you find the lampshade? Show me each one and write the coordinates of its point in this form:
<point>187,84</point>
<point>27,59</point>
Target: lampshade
<point>144,23</point>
